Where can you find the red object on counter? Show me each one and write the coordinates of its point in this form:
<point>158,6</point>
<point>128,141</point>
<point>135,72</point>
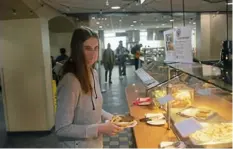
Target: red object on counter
<point>143,101</point>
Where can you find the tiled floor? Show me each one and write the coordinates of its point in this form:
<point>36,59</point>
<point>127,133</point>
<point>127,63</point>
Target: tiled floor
<point>114,102</point>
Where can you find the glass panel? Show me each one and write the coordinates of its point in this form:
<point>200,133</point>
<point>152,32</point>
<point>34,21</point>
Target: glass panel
<point>214,75</point>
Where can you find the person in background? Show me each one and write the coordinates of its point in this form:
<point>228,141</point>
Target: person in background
<point>136,51</point>
<point>121,53</point>
<point>61,58</point>
<point>79,99</point>
<point>108,61</point>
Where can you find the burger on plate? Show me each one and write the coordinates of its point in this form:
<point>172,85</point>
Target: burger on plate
<point>123,120</point>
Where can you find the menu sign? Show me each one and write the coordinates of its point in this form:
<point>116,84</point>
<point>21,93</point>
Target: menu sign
<point>179,45</point>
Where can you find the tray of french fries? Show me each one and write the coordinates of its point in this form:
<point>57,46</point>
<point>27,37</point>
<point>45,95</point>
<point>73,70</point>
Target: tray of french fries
<point>201,113</point>
<point>213,134</point>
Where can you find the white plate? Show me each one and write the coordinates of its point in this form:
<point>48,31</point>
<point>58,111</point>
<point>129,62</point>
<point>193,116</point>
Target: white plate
<point>130,126</point>
<point>154,115</point>
<point>157,122</point>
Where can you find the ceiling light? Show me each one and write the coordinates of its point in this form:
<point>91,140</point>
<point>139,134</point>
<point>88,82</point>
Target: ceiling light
<point>172,20</point>
<point>100,26</point>
<point>194,23</point>
<point>135,29</point>
<point>163,24</point>
<point>134,21</point>
<point>107,3</point>
<point>93,18</point>
<point>120,20</point>
<point>142,1</point>
<point>229,3</point>
<point>105,18</point>
<point>132,25</point>
<point>97,22</point>
<point>14,11</point>
<point>115,7</point>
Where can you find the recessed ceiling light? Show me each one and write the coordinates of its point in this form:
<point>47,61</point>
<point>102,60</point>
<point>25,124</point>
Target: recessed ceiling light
<point>105,18</point>
<point>194,23</point>
<point>132,25</point>
<point>134,21</point>
<point>93,18</point>
<point>115,7</point>
<point>120,20</point>
<point>100,26</point>
<point>172,20</point>
<point>97,22</point>
<point>229,3</point>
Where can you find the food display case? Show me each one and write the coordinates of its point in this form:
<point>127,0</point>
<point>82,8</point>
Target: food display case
<point>198,92</point>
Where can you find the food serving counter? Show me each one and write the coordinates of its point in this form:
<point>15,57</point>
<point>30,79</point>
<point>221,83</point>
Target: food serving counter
<point>198,96</point>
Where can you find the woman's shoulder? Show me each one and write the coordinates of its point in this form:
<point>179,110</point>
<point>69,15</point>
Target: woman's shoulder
<point>69,79</point>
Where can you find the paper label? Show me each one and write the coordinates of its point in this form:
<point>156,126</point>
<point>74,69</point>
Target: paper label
<point>165,99</point>
<point>188,126</point>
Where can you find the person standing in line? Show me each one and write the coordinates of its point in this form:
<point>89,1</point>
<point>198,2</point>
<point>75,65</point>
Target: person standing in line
<point>79,105</point>
<point>136,50</point>
<point>61,58</point>
<point>108,61</point>
<point>121,53</point>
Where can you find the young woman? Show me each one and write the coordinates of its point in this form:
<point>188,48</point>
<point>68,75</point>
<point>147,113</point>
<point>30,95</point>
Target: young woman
<point>79,110</point>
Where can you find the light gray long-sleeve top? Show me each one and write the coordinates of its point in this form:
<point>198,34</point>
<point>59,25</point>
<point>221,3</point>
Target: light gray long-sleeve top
<point>76,121</point>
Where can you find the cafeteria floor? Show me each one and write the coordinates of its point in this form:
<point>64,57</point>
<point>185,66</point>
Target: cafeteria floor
<point>114,102</point>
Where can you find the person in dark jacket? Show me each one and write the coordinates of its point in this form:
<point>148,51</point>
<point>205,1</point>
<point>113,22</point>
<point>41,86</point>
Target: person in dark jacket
<point>108,61</point>
<point>136,52</point>
<point>63,56</point>
<point>122,53</point>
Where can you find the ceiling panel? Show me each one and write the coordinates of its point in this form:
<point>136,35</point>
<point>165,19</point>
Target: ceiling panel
<point>94,6</point>
<point>15,9</point>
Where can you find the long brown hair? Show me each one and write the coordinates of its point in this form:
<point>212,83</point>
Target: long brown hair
<point>77,63</point>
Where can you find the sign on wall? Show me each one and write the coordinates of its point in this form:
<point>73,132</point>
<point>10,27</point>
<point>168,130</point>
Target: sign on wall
<point>178,45</point>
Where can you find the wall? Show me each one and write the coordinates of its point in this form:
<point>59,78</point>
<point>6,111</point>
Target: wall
<point>219,33</point>
<point>211,31</point>
<point>59,40</point>
<point>28,91</point>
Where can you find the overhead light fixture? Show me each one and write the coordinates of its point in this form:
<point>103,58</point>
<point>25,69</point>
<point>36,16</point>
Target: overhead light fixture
<point>194,23</point>
<point>14,11</point>
<point>105,18</point>
<point>132,25</point>
<point>115,7</point>
<point>100,26</point>
<point>172,20</point>
<point>134,21</point>
<point>140,1</point>
<point>93,18</point>
<point>120,20</point>
<point>97,22</point>
<point>229,3</point>
<point>107,3</point>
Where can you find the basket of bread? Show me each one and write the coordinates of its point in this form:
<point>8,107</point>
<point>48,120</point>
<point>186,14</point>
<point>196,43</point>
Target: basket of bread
<point>125,121</point>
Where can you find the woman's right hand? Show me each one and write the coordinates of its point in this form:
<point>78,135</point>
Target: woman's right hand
<point>109,129</point>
